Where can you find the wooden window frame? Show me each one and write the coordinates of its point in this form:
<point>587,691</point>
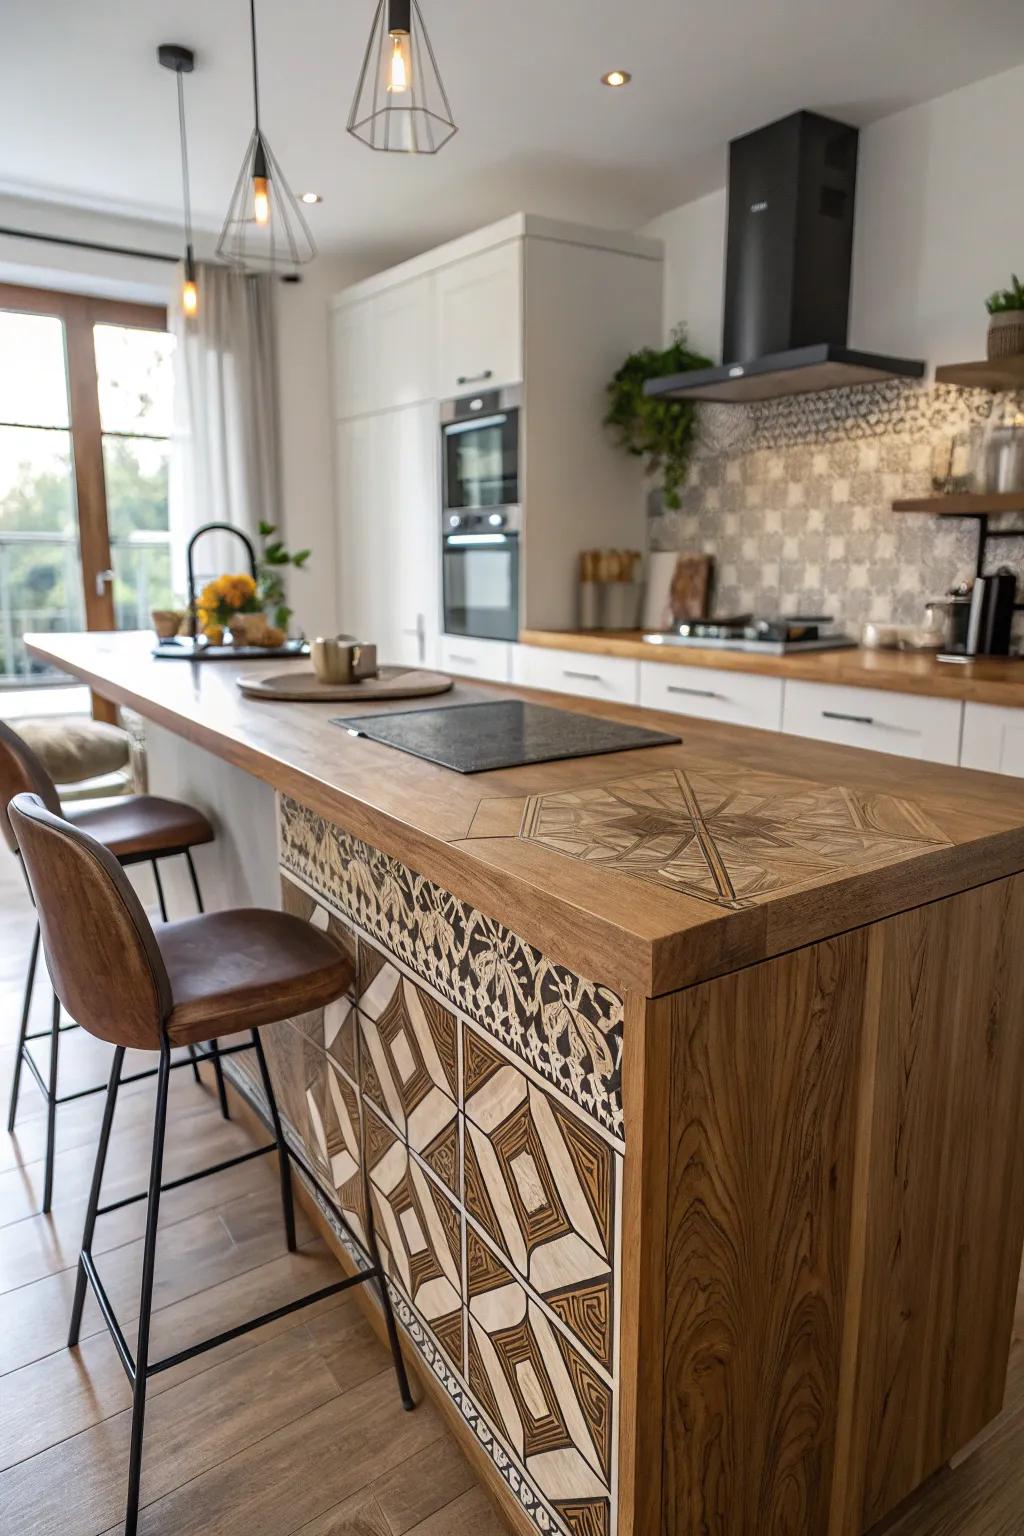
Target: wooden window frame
<point>80,313</point>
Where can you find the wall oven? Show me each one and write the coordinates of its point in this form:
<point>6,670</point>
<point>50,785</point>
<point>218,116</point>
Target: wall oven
<point>481,517</point>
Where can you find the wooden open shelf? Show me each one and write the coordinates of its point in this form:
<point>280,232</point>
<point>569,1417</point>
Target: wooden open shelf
<point>1004,373</point>
<point>964,506</point>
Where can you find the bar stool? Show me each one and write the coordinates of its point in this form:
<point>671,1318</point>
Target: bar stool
<point>146,989</point>
<point>136,829</point>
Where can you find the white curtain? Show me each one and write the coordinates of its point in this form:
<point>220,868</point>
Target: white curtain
<point>226,463</point>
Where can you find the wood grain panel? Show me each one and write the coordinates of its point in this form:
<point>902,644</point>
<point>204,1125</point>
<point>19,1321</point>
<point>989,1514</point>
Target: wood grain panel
<point>761,1157</point>
<point>945,1222</point>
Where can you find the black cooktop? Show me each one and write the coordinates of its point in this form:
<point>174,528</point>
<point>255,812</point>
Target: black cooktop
<point>473,738</point>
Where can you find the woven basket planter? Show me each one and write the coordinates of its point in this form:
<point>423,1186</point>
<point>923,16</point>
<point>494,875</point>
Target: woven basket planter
<point>1006,334</point>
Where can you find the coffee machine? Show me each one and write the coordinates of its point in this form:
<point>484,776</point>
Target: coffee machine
<point>990,619</point>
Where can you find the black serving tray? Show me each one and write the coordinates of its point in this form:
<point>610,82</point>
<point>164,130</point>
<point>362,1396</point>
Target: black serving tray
<point>182,648</point>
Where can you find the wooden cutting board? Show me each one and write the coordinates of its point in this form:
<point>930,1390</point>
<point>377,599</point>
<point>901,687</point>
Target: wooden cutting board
<point>691,588</point>
<point>306,687</point>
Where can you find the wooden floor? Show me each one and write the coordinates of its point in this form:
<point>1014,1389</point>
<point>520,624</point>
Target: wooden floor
<point>295,1430</point>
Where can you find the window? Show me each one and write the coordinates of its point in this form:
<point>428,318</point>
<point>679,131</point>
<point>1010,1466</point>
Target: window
<point>85,424</point>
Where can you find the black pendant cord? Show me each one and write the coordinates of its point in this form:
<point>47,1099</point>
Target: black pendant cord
<point>185,186</point>
<point>255,70</point>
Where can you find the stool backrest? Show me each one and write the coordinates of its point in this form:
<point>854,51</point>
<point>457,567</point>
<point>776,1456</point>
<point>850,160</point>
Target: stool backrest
<point>104,962</point>
<point>21,773</point>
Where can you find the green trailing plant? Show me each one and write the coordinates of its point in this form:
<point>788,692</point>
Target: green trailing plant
<point>274,560</point>
<point>660,431</point>
<point>1006,298</point>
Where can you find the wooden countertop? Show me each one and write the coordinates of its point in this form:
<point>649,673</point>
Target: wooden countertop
<point>989,680</point>
<point>646,870</point>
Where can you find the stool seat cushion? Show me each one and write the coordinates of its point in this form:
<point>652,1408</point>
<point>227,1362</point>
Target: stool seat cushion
<point>141,826</point>
<point>73,747</point>
<point>231,971</point>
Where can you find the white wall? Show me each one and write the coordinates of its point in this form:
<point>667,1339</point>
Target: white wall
<point>940,223</point>
<point>302,337</point>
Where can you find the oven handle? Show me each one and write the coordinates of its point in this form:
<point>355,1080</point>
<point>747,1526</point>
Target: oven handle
<point>463,539</point>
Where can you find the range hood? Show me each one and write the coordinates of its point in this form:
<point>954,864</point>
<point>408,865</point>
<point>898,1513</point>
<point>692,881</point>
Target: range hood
<point>787,273</point>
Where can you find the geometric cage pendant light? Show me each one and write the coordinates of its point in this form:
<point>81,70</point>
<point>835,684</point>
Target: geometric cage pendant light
<point>182,61</point>
<point>264,227</point>
<point>400,102</point>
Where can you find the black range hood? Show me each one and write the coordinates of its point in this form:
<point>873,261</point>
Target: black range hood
<point>787,273</point>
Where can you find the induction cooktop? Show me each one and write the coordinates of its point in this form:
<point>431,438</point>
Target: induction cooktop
<point>473,738</point>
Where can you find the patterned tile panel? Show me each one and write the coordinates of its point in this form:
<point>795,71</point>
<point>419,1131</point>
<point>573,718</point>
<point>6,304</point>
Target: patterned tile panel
<point>731,836</point>
<point>567,1028</point>
<point>540,1393</point>
<point>793,498</point>
<point>542,1185</point>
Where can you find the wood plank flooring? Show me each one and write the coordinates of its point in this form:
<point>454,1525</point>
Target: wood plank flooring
<point>295,1430</point>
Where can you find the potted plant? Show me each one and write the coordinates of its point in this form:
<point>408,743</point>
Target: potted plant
<point>1006,322</point>
<point>254,609</point>
<point>660,431</point>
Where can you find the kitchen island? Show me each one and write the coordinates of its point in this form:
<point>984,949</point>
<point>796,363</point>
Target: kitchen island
<point>688,1084</point>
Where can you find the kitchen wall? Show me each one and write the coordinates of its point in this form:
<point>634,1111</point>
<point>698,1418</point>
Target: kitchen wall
<point>303,366</point>
<point>793,497</point>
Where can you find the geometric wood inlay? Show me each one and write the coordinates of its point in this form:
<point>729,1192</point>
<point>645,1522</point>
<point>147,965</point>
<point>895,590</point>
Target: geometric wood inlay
<point>728,835</point>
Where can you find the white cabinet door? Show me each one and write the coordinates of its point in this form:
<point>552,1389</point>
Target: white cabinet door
<point>907,724</point>
<point>738,698</point>
<point>401,345</point>
<point>993,739</point>
<point>589,676</point>
<point>351,359</point>
<point>480,321</point>
<point>362,532</point>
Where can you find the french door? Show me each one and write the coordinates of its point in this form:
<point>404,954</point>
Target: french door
<point>85,427</point>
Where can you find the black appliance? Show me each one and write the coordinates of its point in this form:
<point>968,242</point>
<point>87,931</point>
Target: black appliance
<point>991,616</point>
<point>475,738</point>
<point>787,272</point>
<point>772,637</point>
<point>481,520</point>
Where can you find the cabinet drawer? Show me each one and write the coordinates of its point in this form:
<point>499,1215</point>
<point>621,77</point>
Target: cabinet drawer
<point>993,739</point>
<point>738,698</point>
<point>491,659</point>
<point>904,723</point>
<point>590,677</point>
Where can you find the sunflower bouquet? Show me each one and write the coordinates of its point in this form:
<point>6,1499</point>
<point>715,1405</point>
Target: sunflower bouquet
<point>223,599</point>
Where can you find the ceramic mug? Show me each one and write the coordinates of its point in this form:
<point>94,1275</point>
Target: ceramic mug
<point>343,659</point>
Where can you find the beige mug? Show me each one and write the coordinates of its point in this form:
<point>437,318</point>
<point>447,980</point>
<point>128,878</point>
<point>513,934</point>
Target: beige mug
<point>343,659</point>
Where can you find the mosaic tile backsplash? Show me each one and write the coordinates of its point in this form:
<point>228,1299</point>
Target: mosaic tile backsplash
<point>793,500</point>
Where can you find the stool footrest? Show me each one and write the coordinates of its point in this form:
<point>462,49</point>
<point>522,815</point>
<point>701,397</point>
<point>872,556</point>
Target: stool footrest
<point>189,1178</point>
<point>259,1322</point>
<point>132,1077</point>
<point>124,1354</point>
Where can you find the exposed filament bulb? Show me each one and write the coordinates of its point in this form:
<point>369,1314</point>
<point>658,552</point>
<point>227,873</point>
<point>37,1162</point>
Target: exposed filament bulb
<point>398,76</point>
<point>261,199</point>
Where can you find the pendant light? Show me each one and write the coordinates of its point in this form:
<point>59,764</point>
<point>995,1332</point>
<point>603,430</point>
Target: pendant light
<point>183,62</point>
<point>264,225</point>
<point>400,102</point>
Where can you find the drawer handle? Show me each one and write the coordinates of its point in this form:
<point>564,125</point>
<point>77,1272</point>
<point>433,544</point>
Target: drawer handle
<point>693,693</point>
<point>468,661</point>
<point>834,714</point>
<point>475,378</point>
<point>583,677</point>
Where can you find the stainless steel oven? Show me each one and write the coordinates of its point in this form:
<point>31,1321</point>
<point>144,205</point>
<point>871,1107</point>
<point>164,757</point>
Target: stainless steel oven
<point>481,516</point>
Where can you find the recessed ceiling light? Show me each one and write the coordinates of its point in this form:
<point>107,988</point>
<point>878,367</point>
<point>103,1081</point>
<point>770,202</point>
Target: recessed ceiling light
<point>616,77</point>
<point>311,197</point>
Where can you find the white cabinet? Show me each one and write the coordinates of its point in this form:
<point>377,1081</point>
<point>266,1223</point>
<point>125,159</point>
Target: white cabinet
<point>486,659</point>
<point>480,321</point>
<point>910,725</point>
<point>383,350</point>
<point>388,557</point>
<point>993,739</point>
<point>737,698</point>
<point>589,676</point>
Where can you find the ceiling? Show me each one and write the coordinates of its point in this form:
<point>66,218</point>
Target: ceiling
<point>87,117</point>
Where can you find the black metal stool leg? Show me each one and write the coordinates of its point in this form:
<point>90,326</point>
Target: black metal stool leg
<point>214,1052</point>
<point>195,880</point>
<point>26,1009</point>
<point>159,891</point>
<point>51,1106</point>
<point>131,1518</point>
<point>94,1194</point>
<point>195,1063</point>
<point>389,1317</point>
<point>282,1146</point>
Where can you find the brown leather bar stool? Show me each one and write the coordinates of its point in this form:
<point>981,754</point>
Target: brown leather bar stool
<point>136,829</point>
<point>153,989</point>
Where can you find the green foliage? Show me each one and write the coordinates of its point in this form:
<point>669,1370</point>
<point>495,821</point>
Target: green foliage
<point>270,567</point>
<point>1006,298</point>
<point>660,431</point>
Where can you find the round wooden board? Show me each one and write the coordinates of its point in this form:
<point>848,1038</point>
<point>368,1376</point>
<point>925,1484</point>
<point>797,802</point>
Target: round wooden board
<point>306,687</point>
